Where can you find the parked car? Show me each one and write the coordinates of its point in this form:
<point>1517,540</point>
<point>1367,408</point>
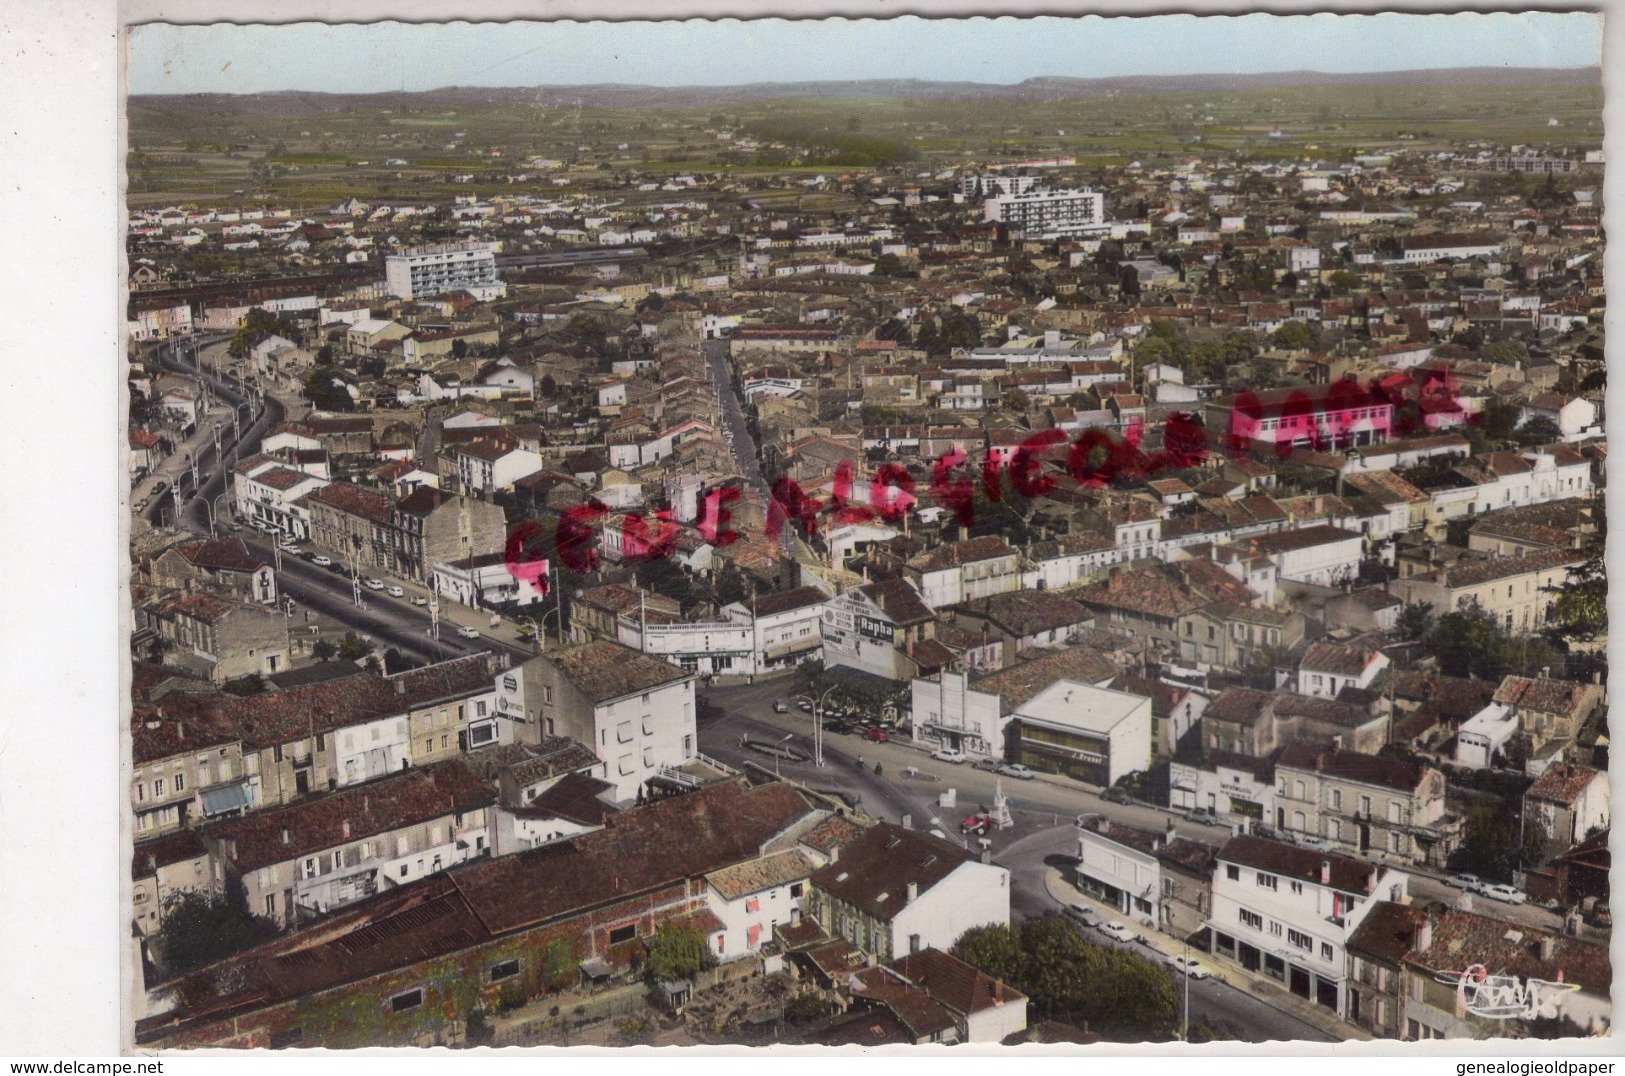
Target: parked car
<point>1186,966</point>
<point>469,633</point>
<point>322,561</point>
<point>1503,893</point>
<point>375,584</point>
<point>1117,931</point>
<point>418,599</point>
<point>780,706</point>
<point>1472,883</point>
<point>158,488</point>
<point>875,733</point>
<point>1117,795</point>
<point>1203,816</point>
<point>1018,771</point>
<point>843,728</point>
<point>1079,915</point>
<point>397,592</point>
<point>947,754</point>
<point>336,569</point>
<point>990,764</point>
<point>804,706</point>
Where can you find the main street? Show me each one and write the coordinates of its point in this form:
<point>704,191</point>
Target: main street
<point>387,621</point>
<point>911,783</point>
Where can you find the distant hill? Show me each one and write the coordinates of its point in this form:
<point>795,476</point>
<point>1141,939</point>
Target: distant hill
<point>610,95</point>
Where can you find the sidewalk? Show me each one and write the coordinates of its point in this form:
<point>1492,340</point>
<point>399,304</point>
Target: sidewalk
<point>1164,946</point>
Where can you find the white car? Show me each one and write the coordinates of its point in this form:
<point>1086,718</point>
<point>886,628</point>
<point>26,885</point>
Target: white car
<point>949,755</point>
<point>1472,883</point>
<point>418,599</point>
<point>469,633</point>
<point>1117,931</point>
<point>397,592</point>
<point>375,584</point>
<point>1503,893</point>
<point>323,562</point>
<point>1189,967</point>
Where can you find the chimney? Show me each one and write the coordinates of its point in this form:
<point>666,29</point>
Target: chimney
<point>1548,946</point>
<point>1114,581</point>
<point>913,892</point>
<point>400,687</point>
<point>344,828</point>
<point>1337,742</point>
<point>908,821</point>
<point>231,847</point>
<point>1325,872</point>
<point>998,991</point>
<point>287,837</point>
<point>835,853</point>
<point>1424,935</point>
<point>366,803</point>
<point>1545,671</point>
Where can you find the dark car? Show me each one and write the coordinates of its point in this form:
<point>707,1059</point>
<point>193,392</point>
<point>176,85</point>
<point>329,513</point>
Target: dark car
<point>875,733</point>
<point>843,728</point>
<point>336,568</point>
<point>1117,795</point>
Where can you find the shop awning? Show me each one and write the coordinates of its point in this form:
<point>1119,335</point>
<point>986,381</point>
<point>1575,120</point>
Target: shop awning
<point>226,798</point>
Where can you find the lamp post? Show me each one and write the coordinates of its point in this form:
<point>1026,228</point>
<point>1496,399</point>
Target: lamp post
<point>818,724</point>
<point>210,503</point>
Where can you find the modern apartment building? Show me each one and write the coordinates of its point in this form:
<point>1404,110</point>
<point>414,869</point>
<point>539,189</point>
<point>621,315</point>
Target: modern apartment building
<point>1048,214</point>
<point>436,270</point>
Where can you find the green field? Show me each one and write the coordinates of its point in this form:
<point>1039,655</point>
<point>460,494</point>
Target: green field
<point>296,158</point>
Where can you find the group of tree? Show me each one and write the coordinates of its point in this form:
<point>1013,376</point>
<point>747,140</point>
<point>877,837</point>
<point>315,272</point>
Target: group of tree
<point>259,325</point>
<point>1472,643</point>
<point>956,331</point>
<point>199,929</point>
<point>1118,995</point>
<point>1205,360</point>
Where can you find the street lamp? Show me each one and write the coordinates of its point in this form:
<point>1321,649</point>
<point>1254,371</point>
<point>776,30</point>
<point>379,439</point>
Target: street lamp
<point>818,724</point>
<point>778,751</point>
<point>209,504</point>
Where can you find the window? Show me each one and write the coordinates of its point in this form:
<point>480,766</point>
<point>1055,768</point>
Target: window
<point>1266,880</point>
<point>1365,806</point>
<point>796,889</point>
<point>1252,919</point>
<point>1275,928</point>
<point>141,792</point>
<point>1232,872</point>
<point>505,970</point>
<point>407,1001</point>
<point>1300,939</point>
<point>158,788</point>
<point>1325,950</point>
<point>547,694</point>
<point>1297,887</point>
<point>623,934</point>
<point>180,782</point>
<point>1337,799</point>
<point>428,744</point>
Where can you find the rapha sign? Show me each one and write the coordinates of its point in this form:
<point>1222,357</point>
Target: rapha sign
<point>1505,997</point>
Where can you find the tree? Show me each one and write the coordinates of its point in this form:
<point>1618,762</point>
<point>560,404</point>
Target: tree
<point>805,1008</point>
<point>1465,643</point>
<point>1343,281</point>
<point>675,952</point>
<point>324,650</point>
<point>351,648</point>
<point>994,950</point>
<point>1293,336</point>
<point>1538,431</point>
<point>1416,620</point>
<point>1504,353</point>
<point>1580,610</point>
<point>1016,400</point>
<point>549,387</point>
<point>197,929</point>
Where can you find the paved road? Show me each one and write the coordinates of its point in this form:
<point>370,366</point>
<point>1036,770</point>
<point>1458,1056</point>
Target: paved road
<point>390,622</point>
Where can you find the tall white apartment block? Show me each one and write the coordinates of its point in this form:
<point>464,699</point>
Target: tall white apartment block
<point>1048,214</point>
<point>978,185</point>
<point>436,270</point>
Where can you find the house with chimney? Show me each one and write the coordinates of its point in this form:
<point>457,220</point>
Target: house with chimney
<point>1328,668</point>
<point>1547,713</point>
<point>225,566</point>
<point>956,572</point>
<point>307,859</point>
<point>1159,879</point>
<point>535,923</point>
<point>882,628</point>
<point>1419,973</point>
<point>1565,805</point>
<point>1372,806</point>
<point>1285,912</point>
<point>894,891</point>
<point>984,1009</point>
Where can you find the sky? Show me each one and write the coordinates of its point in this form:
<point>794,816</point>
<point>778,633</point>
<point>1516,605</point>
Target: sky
<point>366,58</point>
